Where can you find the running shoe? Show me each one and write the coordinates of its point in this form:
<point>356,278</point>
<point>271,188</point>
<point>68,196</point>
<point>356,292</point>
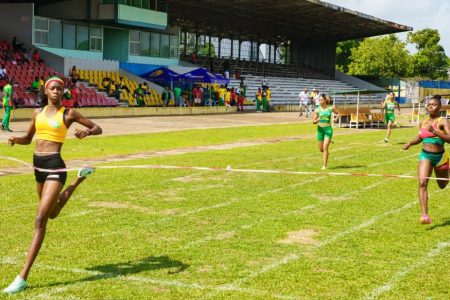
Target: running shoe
<point>2,127</point>
<point>18,285</point>
<point>9,130</point>
<point>425,219</point>
<point>323,168</point>
<point>386,140</point>
<point>85,171</point>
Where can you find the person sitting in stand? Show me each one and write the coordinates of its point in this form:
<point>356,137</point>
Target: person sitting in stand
<point>139,94</point>
<point>74,75</point>
<point>37,57</point>
<point>2,72</point>
<point>16,45</point>
<point>35,88</point>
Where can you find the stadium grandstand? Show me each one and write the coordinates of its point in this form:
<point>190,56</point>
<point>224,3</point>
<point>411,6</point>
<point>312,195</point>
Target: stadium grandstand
<point>120,40</point>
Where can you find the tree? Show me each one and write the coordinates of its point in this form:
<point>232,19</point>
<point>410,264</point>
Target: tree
<point>430,60</point>
<point>343,53</point>
<point>382,57</point>
<point>204,50</point>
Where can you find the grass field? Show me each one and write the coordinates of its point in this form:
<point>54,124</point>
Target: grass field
<point>188,234</point>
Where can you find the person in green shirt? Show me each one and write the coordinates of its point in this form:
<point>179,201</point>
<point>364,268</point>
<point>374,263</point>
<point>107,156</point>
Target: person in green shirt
<point>7,105</point>
<point>35,86</point>
<point>139,94</point>
<point>177,94</point>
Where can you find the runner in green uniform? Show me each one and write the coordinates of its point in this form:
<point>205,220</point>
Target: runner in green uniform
<point>322,117</point>
<point>389,106</point>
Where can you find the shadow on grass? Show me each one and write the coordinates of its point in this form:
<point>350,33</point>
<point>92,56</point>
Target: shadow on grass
<point>347,167</point>
<point>443,224</point>
<point>128,268</point>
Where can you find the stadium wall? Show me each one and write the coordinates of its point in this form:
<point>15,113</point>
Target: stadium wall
<point>24,114</point>
<point>71,10</point>
<point>17,20</point>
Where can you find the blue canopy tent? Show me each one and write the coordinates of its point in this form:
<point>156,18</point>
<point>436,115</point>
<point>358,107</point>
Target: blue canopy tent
<point>201,75</point>
<point>162,74</point>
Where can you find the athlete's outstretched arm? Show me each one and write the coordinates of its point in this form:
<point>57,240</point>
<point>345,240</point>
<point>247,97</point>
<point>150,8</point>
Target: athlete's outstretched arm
<point>28,136</point>
<point>91,127</point>
<point>415,141</point>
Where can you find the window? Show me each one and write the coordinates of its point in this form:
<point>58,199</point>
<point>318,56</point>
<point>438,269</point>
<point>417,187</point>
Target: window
<point>164,45</point>
<point>41,31</point>
<point>134,42</point>
<point>69,33</point>
<point>136,3</point>
<point>96,39</point>
<point>174,45</point>
<point>55,34</point>
<point>82,38</point>
<point>154,44</point>
<point>145,43</point>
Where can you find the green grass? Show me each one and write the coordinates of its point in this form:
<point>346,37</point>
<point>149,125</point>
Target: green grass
<point>187,234</point>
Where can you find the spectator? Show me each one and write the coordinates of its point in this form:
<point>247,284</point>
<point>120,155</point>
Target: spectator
<point>222,91</point>
<point>106,82</point>
<point>16,45</point>
<point>144,87</point>
<point>258,97</point>
<point>194,58</point>
<point>37,57</point>
<point>8,104</point>
<point>35,86</point>
<point>264,82</point>
<point>139,94</point>
<point>265,102</point>
<point>240,99</point>
<point>41,82</point>
<point>66,100</point>
<point>233,97</point>
<point>165,96</point>
<point>28,55</point>
<point>74,75</point>
<point>228,98</point>
<point>237,74</point>
<point>303,97</point>
<point>178,99</point>
<point>197,93</point>
<point>226,69</point>
<point>2,72</point>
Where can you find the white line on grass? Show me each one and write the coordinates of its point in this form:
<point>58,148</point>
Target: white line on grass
<point>377,292</point>
<point>289,213</point>
<point>334,238</point>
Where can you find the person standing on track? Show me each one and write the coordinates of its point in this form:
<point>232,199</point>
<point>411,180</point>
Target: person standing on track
<point>50,124</point>
<point>322,117</point>
<point>434,132</point>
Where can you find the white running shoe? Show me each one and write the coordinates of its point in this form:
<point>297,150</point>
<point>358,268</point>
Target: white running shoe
<point>323,168</point>
<point>18,285</point>
<point>386,140</point>
<point>85,171</point>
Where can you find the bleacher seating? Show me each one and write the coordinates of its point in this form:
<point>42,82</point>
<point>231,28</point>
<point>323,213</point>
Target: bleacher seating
<point>351,117</point>
<point>95,78</point>
<point>23,73</point>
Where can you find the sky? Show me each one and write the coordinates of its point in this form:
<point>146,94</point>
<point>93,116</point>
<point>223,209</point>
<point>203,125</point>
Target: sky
<point>418,14</point>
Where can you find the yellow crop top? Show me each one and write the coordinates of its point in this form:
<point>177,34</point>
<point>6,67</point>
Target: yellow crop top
<point>51,128</point>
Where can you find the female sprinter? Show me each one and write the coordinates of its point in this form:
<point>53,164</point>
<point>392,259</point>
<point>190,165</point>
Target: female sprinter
<point>389,105</point>
<point>50,124</point>
<point>322,117</point>
<point>434,132</point>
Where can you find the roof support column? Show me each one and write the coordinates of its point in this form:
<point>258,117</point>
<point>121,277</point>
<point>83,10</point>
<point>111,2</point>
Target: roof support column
<point>270,52</point>
<point>196,42</point>
<point>220,48</point>
<point>232,44</point>
<point>209,45</point>
<point>185,42</point>
<point>239,49</point>
<point>257,51</point>
<point>251,50</point>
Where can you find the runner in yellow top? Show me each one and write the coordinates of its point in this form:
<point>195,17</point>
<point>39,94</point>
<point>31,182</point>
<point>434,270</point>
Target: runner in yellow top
<point>50,126</point>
